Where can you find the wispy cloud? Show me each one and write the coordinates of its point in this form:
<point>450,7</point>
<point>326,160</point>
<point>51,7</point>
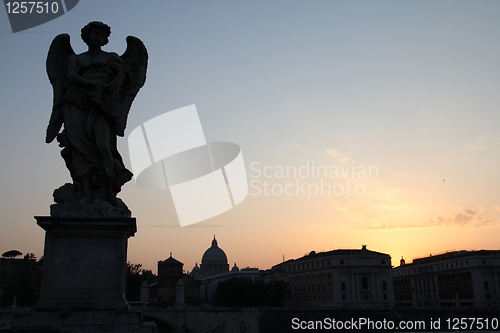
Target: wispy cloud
<point>472,217</point>
<point>479,145</point>
<point>474,147</point>
<point>338,155</point>
<point>302,148</point>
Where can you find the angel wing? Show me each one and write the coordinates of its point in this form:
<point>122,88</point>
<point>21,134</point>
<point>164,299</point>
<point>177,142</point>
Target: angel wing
<point>57,69</point>
<point>135,59</point>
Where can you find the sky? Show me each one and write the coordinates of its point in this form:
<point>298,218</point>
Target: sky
<point>360,122</point>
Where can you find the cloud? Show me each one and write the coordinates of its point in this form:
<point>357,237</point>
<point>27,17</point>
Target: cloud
<point>479,145</point>
<point>335,153</point>
<point>472,217</point>
<point>338,155</point>
<point>302,148</point>
<point>472,148</point>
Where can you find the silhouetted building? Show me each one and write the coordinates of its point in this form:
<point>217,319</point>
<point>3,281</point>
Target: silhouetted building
<point>460,278</point>
<point>169,269</point>
<point>170,278</point>
<point>338,278</point>
<point>214,269</point>
<point>214,261</point>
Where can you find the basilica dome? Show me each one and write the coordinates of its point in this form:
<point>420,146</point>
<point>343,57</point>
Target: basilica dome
<point>214,254</point>
<point>214,261</point>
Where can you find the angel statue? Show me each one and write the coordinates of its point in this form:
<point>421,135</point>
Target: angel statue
<point>93,92</point>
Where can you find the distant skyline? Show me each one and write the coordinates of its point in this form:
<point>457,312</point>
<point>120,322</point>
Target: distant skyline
<point>409,89</point>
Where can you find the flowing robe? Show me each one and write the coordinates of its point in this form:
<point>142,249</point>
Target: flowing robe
<point>90,116</point>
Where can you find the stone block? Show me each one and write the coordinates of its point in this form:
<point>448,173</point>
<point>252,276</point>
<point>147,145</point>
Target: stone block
<point>85,262</point>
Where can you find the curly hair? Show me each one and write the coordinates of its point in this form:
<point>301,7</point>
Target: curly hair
<point>95,25</point>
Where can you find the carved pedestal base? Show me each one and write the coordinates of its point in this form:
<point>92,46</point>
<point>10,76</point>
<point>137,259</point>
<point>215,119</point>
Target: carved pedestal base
<point>83,282</point>
<point>85,262</point>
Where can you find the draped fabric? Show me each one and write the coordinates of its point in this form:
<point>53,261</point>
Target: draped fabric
<point>90,115</point>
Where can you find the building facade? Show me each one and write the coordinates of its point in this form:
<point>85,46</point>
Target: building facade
<point>453,279</point>
<point>338,278</point>
<point>174,285</point>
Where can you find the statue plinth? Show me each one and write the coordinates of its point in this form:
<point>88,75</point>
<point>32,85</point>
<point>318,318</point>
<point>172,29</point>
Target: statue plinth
<point>84,263</point>
<point>83,281</point>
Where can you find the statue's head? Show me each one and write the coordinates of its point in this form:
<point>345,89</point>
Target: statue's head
<point>95,25</point>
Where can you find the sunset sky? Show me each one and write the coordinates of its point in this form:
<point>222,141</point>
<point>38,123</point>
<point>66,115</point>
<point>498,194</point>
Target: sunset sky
<point>398,100</point>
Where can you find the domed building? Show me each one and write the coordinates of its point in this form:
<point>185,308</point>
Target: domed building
<point>214,260</point>
<point>214,269</point>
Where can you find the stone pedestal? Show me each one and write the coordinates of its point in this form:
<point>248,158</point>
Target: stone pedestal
<point>83,281</point>
<point>85,262</point>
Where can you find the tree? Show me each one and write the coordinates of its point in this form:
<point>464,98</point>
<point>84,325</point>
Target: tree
<point>242,292</point>
<point>11,254</point>
<point>134,281</point>
<point>29,256</point>
<point>235,292</point>
<point>22,280</point>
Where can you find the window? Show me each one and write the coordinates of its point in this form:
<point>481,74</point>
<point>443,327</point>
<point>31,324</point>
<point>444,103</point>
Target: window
<point>364,283</point>
<point>384,285</point>
<point>343,297</point>
<point>486,285</point>
<point>341,261</point>
<point>342,286</point>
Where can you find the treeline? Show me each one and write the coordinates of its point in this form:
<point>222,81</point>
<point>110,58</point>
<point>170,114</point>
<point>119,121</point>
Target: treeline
<point>243,292</point>
<point>20,280</point>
